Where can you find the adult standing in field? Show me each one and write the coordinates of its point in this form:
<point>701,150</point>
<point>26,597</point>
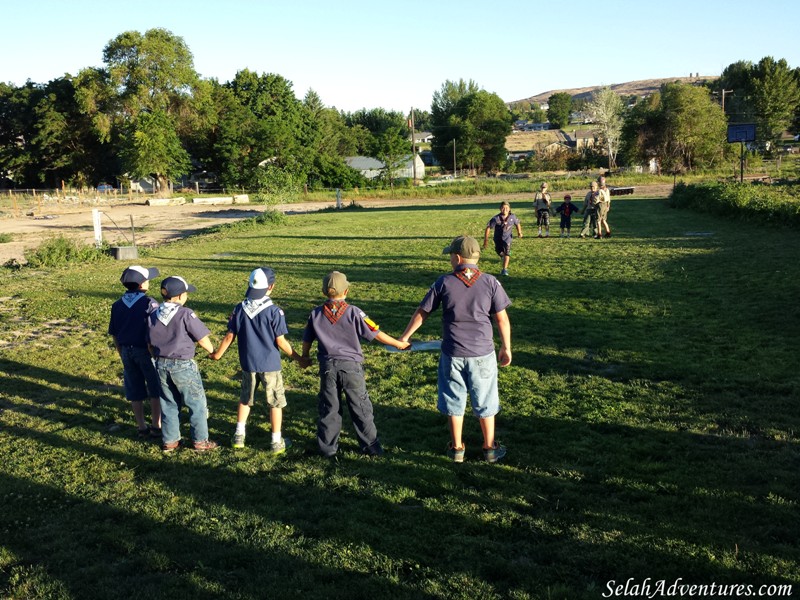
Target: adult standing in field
<point>541,204</point>
<point>470,300</point>
<point>603,206</point>
<point>589,211</point>
<point>503,224</point>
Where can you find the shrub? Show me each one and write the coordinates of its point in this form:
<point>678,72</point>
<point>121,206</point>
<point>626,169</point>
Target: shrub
<point>5,237</point>
<point>62,250</point>
<point>775,204</point>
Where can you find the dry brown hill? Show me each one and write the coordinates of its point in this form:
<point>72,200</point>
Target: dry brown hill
<point>631,88</point>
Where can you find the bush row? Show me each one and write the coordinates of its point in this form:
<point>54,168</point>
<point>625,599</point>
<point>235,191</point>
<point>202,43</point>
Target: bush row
<point>745,201</point>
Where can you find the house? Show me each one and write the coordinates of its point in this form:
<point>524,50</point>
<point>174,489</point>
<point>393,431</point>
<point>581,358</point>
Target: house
<point>371,168</point>
<point>423,137</point>
<point>582,138</point>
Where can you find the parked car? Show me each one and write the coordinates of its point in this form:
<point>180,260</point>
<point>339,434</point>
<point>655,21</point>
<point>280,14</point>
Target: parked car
<point>105,187</point>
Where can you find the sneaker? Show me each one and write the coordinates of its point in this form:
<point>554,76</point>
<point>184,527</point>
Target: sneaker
<point>608,234</point>
<point>540,235</point>
<point>204,446</point>
<point>280,447</point>
<point>456,454</point>
<point>238,440</point>
<point>495,453</point>
<point>144,433</point>
<point>170,446</point>
<point>155,432</point>
<point>504,272</point>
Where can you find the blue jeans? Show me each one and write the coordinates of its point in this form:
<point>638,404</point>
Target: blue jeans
<point>139,374</point>
<point>337,377</point>
<point>181,386</point>
<point>473,375</point>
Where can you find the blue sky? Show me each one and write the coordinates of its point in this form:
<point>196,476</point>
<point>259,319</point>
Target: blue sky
<point>358,54</point>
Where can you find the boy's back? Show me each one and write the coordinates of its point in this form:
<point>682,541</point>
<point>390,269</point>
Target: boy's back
<point>338,328</point>
<point>173,331</point>
<point>128,323</point>
<point>256,324</point>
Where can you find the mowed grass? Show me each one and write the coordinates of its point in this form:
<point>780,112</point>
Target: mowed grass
<point>651,417</point>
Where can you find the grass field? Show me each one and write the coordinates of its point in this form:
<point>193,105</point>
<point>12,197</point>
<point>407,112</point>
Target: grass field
<point>651,417</point>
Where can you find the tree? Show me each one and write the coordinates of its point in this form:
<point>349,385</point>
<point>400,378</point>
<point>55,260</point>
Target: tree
<point>559,109</point>
<point>776,96</point>
<point>392,148</point>
<point>606,110</point>
<point>153,148</point>
<point>681,127</point>
<point>484,123</point>
<point>442,108</point>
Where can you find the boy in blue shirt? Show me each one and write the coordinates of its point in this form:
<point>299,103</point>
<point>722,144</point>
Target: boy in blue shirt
<point>338,328</point>
<point>261,329</point>
<point>503,224</point>
<point>172,333</point>
<point>128,328</point>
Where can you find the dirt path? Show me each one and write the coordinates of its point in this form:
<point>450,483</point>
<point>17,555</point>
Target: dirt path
<point>157,224</point>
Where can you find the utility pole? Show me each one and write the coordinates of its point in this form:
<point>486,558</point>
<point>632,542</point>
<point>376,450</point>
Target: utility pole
<point>413,151</point>
<point>455,171</point>
<point>723,98</point>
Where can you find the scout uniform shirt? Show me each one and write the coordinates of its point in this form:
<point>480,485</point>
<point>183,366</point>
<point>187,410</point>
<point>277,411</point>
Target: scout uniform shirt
<point>503,229</point>
<point>173,330</point>
<point>468,299</point>
<point>256,323</point>
<point>128,322</point>
<point>337,327</point>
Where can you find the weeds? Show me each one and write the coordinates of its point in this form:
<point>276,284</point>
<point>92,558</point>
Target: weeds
<point>59,251</point>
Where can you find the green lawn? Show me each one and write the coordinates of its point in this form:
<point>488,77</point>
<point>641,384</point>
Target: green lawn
<point>651,417</point>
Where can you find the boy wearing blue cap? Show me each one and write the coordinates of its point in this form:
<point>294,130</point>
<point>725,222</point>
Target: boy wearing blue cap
<point>128,329</point>
<point>260,328</point>
<point>172,332</point>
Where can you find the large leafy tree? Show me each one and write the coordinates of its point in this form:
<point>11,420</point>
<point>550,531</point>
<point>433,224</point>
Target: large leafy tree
<point>153,148</point>
<point>483,122</point>
<point>681,127</point>
<point>559,107</point>
<point>776,96</point>
<point>606,110</point>
<point>443,127</point>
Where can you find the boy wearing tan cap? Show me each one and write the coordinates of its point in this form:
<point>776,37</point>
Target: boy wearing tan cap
<point>470,300</point>
<point>338,328</point>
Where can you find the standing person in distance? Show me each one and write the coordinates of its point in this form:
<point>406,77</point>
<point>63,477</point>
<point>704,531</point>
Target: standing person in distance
<point>603,206</point>
<point>470,300</point>
<point>589,211</point>
<point>503,224</point>
<point>541,204</point>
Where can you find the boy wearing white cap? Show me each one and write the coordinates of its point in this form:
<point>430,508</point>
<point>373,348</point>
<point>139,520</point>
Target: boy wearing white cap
<point>172,333</point>
<point>128,328</point>
<point>260,329</point>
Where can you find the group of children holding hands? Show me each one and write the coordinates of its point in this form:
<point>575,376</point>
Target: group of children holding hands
<point>157,341</point>
<point>596,204</point>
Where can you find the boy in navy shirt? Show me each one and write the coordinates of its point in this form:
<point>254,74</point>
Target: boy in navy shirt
<point>469,300</point>
<point>172,332</point>
<point>128,329</point>
<point>567,209</point>
<point>261,329</point>
<point>338,328</point>
<point>503,224</point>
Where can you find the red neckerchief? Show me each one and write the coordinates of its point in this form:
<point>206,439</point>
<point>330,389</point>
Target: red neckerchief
<point>468,275</point>
<point>334,309</point>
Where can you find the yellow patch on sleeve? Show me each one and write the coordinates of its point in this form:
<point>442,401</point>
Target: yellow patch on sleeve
<point>373,326</point>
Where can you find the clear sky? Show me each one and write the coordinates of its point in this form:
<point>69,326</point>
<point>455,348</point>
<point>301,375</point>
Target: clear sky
<point>395,55</point>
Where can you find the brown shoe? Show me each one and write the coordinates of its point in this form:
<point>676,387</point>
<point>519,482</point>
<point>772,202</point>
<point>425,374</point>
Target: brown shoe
<point>170,446</point>
<point>204,446</point>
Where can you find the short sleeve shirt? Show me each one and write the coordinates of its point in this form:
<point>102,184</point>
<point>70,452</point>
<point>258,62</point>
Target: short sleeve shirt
<point>466,311</point>
<point>256,335</point>
<point>340,340</point>
<point>503,228</point>
<point>177,338</point>
<point>541,201</point>
<point>128,323</point>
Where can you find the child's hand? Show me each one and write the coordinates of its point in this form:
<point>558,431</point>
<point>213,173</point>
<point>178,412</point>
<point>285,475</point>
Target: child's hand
<point>214,355</point>
<point>403,345</point>
<point>304,362</point>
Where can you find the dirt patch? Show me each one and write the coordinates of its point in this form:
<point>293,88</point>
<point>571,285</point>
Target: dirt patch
<point>158,224</point>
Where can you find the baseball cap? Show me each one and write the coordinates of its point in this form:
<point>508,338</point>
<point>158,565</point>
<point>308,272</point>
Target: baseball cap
<point>175,286</point>
<point>260,281</point>
<point>465,246</point>
<point>137,274</point>
<point>334,284</point>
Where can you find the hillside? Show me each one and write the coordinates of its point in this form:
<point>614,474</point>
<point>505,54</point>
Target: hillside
<point>638,88</point>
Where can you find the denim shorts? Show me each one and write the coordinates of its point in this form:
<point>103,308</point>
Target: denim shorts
<point>272,382</point>
<point>139,374</point>
<point>473,375</point>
